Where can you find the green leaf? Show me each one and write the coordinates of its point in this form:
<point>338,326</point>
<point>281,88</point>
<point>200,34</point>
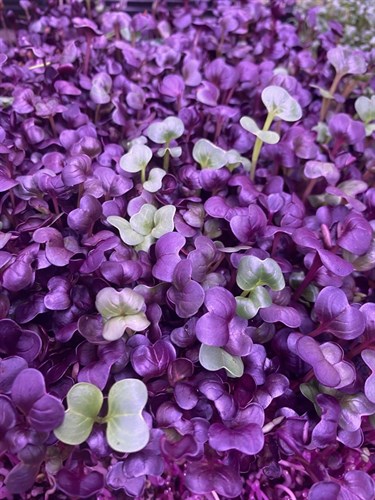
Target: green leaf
<point>315,169</point>
<point>365,108</point>
<point>120,311</point>
<point>143,221</point>
<point>249,124</point>
<point>208,155</point>
<point>84,403</point>
<point>146,243</point>
<point>280,103</point>
<point>248,307</point>
<point>127,234</point>
<point>268,136</point>
<point>166,131</point>
<point>370,129</point>
<point>215,358</point>
<point>175,152</point>
<point>163,221</point>
<point>234,159</point>
<point>323,92</point>
<point>111,303</point>
<point>155,178</point>
<point>253,272</point>
<point>136,159</point>
<point>353,187</point>
<point>127,430</point>
<point>115,328</point>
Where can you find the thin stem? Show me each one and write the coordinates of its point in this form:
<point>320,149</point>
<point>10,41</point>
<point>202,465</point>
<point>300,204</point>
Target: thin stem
<point>286,490</point>
<point>166,157</point>
<point>143,175</point>
<point>86,62</point>
<point>310,186</point>
<point>316,264</point>
<point>88,7</point>
<point>97,114</point>
<point>219,125</point>
<point>326,102</point>
<point>359,348</point>
<point>220,45</point>
<point>57,210</point>
<point>52,125</point>
<point>117,29</point>
<point>258,145</point>
<point>80,194</point>
<point>245,293</point>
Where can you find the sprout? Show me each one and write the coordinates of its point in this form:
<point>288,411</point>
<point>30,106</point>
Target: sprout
<point>121,311</point>
<point>127,431</point>
<point>234,159</point>
<point>165,132</point>
<point>346,61</point>
<point>208,155</point>
<point>279,104</point>
<point>266,136</point>
<point>155,179</point>
<point>252,275</point>
<point>148,225</point>
<point>215,358</point>
<point>365,108</point>
<point>136,160</point>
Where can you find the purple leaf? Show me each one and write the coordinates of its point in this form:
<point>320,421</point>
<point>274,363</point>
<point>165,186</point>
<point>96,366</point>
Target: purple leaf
<point>167,251</point>
<point>337,316</point>
<point>248,439</point>
<point>46,413</point>
<point>21,478</point>
<point>187,295</point>
<point>356,234</point>
<point>27,389</point>
<point>152,361</point>
<point>287,315</point>
<point>9,369</point>
<point>213,327</point>
<point>204,477</point>
<point>78,483</point>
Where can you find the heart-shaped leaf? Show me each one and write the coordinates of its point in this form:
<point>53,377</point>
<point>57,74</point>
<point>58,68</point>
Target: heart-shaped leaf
<point>315,169</point>
<point>346,61</point>
<point>136,159</point>
<point>84,403</point>
<point>166,131</point>
<point>266,136</point>
<point>163,221</point>
<point>281,104</point>
<point>127,430</point>
<point>337,316</point>
<point>100,91</point>
<point>121,310</point>
<point>143,221</point>
<point>208,155</point>
<point>215,358</point>
<point>154,181</point>
<point>127,234</point>
<point>365,108</point>
<point>145,226</point>
<point>253,272</point>
<point>248,307</point>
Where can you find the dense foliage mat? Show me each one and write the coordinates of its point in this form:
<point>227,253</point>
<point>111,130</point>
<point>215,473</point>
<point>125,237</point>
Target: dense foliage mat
<point>187,254</point>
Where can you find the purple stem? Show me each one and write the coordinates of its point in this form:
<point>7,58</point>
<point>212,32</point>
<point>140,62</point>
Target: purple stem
<point>87,54</point>
<point>316,264</point>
